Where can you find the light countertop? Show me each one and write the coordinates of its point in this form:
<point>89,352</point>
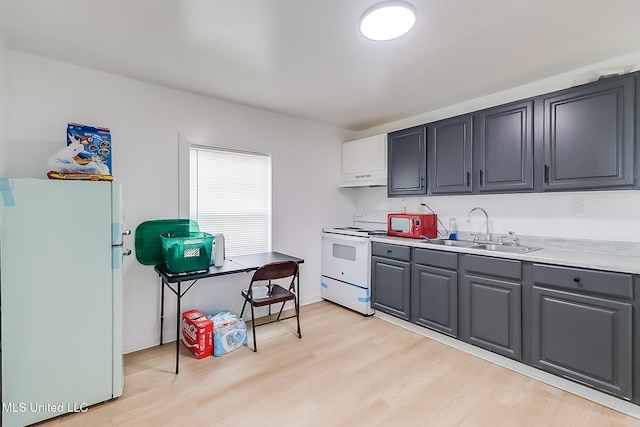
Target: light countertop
<point>623,257</point>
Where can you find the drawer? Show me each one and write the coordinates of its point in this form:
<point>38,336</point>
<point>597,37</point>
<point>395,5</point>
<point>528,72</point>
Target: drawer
<point>499,267</point>
<point>436,258</point>
<point>579,279</point>
<point>391,251</point>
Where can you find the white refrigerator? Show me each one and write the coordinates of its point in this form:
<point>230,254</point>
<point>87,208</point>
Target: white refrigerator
<point>61,297</point>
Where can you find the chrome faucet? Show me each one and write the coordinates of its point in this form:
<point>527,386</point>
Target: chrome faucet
<point>487,236</point>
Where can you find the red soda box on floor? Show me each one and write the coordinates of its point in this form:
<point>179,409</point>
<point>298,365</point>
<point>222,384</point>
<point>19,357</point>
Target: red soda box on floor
<point>197,333</point>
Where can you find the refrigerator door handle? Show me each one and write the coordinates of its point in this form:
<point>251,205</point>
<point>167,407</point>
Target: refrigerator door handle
<point>126,232</point>
<point>125,252</point>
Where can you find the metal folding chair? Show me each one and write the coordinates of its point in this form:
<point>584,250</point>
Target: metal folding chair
<point>276,293</point>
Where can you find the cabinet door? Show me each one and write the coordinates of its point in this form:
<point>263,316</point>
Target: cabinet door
<point>351,157</point>
<point>589,136</point>
<point>391,286</point>
<point>584,338</point>
<point>491,315</point>
<point>434,298</point>
<point>364,155</point>
<point>449,149</point>
<point>407,159</point>
<point>374,153</point>
<point>504,144</point>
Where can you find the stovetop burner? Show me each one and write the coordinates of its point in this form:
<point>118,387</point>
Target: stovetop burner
<point>365,223</point>
<point>355,231</point>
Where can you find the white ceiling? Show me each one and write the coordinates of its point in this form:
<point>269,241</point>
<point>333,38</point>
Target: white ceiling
<point>306,57</point>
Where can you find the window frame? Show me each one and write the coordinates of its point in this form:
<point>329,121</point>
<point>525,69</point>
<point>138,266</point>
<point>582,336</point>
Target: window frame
<point>186,142</point>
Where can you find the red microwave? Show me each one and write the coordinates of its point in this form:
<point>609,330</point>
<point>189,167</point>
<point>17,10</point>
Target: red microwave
<point>412,225</point>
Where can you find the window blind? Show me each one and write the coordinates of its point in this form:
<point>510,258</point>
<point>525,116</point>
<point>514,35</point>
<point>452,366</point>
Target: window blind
<point>230,193</point>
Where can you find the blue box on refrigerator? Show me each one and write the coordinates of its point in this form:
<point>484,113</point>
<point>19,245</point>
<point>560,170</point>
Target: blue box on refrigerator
<point>95,140</point>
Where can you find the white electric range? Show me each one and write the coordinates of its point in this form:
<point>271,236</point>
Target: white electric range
<point>346,261</point>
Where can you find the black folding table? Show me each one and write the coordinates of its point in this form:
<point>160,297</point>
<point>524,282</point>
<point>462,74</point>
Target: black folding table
<point>232,265</point>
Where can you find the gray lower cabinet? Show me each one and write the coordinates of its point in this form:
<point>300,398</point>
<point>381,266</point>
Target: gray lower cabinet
<point>572,322</point>
<point>582,326</point>
<point>391,279</point>
<point>434,290</point>
<point>491,304</point>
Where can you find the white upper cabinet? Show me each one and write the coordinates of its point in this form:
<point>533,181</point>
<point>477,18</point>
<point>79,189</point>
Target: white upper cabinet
<point>364,162</point>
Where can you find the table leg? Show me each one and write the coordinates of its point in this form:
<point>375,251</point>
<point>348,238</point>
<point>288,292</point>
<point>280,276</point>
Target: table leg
<point>178,296</point>
<point>162,310</point>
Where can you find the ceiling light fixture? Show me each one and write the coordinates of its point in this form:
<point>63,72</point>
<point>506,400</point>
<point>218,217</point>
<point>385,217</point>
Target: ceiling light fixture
<point>387,20</point>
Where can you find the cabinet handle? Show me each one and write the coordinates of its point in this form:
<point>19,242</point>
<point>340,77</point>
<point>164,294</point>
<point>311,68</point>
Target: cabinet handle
<point>389,251</point>
<point>421,182</point>
<point>481,178</point>
<point>576,279</point>
<point>468,178</point>
<point>546,174</point>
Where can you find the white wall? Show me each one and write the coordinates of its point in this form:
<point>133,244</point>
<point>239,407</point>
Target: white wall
<point>145,121</point>
<point>608,215</point>
<point>4,105</point>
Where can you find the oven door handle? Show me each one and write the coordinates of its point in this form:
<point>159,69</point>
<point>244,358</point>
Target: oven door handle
<point>343,237</point>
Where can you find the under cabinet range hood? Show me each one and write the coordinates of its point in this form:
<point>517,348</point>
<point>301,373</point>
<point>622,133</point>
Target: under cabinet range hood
<point>364,162</point>
<point>371,179</point>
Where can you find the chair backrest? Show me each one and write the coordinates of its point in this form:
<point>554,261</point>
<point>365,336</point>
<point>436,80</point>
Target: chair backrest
<point>275,270</point>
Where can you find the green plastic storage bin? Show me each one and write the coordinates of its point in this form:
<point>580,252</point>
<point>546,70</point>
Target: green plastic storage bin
<point>148,242</point>
<point>187,252</point>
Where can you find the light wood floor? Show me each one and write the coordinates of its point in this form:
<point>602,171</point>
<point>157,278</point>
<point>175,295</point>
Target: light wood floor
<point>347,370</point>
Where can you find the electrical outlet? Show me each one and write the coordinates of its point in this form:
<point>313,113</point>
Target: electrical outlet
<point>577,204</point>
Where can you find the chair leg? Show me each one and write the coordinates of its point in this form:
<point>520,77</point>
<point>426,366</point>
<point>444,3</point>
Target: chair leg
<point>296,301</point>
<point>253,327</point>
<point>243,307</point>
<point>269,295</point>
<point>298,317</point>
<point>280,312</point>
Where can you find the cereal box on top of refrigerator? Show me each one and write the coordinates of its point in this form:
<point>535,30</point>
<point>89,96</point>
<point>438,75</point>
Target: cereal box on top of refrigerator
<point>95,140</point>
<point>87,155</point>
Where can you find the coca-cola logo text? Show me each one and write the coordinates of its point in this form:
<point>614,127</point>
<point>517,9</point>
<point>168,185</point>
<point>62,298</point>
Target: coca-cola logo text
<point>189,329</point>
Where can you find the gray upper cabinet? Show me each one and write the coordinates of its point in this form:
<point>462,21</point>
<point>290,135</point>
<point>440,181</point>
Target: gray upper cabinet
<point>407,162</point>
<point>504,148</point>
<point>449,148</point>
<point>589,136</point>
<point>581,138</point>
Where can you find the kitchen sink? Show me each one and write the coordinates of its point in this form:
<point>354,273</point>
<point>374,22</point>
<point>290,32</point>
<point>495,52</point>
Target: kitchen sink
<point>483,246</point>
<point>506,248</point>
<point>446,242</point>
